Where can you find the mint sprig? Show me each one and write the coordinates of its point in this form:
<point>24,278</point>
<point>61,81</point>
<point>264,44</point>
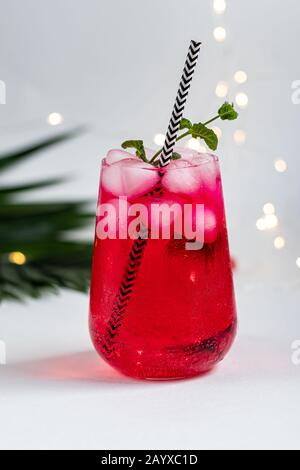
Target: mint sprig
<point>208,135</point>
<point>185,124</point>
<point>138,145</point>
<point>176,156</point>
<point>198,131</point>
<point>227,112</point>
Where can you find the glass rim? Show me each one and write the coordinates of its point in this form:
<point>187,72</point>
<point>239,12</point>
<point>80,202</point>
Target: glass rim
<point>206,159</point>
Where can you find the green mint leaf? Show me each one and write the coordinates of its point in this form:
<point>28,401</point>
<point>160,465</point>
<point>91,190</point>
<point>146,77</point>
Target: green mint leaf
<point>227,112</point>
<point>185,124</point>
<point>138,145</point>
<point>176,156</point>
<point>208,135</point>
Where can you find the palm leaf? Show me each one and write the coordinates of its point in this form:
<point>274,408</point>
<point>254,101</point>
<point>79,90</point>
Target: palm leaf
<point>39,231</point>
<point>17,156</point>
<point>7,191</point>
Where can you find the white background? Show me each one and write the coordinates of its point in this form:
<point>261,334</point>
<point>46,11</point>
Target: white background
<point>115,66</point>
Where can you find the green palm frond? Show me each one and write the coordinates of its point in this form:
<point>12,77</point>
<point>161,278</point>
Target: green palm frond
<point>18,156</point>
<point>36,255</point>
<point>6,192</point>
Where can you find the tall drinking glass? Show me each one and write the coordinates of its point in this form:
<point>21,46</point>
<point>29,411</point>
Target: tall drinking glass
<point>175,315</point>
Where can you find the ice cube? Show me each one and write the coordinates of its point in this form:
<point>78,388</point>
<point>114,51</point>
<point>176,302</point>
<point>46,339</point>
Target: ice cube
<point>186,153</point>
<point>210,226</point>
<point>209,172</point>
<point>129,177</point>
<point>181,177</point>
<point>193,172</point>
<point>208,167</point>
<point>115,156</point>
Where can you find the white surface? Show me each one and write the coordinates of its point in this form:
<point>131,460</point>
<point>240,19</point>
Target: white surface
<point>56,393</point>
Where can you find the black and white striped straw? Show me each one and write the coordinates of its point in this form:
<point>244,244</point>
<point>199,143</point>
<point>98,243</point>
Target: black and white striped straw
<point>107,340</point>
<point>181,98</point>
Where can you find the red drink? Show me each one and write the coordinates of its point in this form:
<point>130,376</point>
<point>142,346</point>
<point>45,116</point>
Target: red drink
<point>180,317</point>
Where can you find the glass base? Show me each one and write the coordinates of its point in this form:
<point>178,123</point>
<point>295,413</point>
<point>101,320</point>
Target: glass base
<point>173,363</point>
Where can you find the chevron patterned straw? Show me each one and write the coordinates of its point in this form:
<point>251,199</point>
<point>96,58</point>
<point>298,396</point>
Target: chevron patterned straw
<point>182,94</point>
<point>123,297</point>
<point>136,254</point>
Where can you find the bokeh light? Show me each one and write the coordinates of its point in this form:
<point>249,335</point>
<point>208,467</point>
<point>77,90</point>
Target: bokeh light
<point>159,139</point>
<point>242,100</point>
<point>281,166</point>
<point>16,257</point>
<point>55,119</point>
<point>261,225</point>
<point>271,221</point>
<point>279,243</point>
<point>219,6</point>
<point>240,77</point>
<point>220,34</point>
<point>240,137</point>
<point>222,89</point>
<point>269,208</point>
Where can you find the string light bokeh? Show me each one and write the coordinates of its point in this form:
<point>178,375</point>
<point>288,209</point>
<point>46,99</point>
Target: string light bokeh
<point>239,137</point>
<point>240,77</point>
<point>17,257</point>
<point>281,166</point>
<point>269,221</point>
<point>242,100</point>
<point>159,139</point>
<point>220,34</point>
<point>222,89</point>
<point>279,243</point>
<point>236,83</point>
<point>55,119</point>
<point>219,6</point>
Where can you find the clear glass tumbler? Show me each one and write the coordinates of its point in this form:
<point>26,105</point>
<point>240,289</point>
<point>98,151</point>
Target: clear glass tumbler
<point>160,309</point>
